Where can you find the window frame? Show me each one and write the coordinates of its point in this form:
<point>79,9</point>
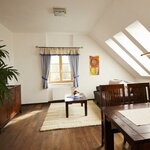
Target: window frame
<point>60,73</point>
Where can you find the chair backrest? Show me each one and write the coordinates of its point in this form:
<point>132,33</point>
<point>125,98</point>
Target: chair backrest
<point>112,95</point>
<point>138,92</point>
<point>98,88</point>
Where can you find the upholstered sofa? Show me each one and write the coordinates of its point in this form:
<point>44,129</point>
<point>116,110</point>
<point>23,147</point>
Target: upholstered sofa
<point>97,96</point>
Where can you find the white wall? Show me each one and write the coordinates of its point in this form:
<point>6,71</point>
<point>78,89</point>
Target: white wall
<point>7,39</point>
<point>6,36</point>
<point>109,69</point>
<point>27,60</point>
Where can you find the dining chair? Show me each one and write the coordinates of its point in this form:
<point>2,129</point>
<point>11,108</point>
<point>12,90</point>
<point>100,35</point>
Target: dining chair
<point>111,95</point>
<point>138,92</point>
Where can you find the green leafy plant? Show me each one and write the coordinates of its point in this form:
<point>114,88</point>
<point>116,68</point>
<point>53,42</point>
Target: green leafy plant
<point>6,73</point>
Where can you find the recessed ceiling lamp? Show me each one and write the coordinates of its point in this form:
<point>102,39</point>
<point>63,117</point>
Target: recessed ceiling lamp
<point>59,11</point>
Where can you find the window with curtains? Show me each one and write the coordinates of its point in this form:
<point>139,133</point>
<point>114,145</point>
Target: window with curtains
<point>60,70</point>
<point>59,64</point>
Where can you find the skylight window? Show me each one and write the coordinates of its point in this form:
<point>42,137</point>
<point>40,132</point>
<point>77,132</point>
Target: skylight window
<point>140,33</point>
<point>116,48</point>
<point>132,49</point>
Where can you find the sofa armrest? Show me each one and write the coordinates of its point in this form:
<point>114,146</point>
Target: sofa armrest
<point>97,98</point>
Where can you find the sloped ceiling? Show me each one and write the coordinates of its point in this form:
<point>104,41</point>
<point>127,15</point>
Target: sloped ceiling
<point>100,19</point>
<point>118,15</point>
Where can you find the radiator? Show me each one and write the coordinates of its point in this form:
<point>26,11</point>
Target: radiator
<point>58,93</point>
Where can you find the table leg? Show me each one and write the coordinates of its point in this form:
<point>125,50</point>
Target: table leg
<point>108,134</point>
<point>85,106</point>
<point>67,112</point>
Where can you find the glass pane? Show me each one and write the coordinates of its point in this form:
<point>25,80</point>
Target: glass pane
<point>55,60</point>
<point>132,49</point>
<point>116,48</point>
<point>55,76</point>
<point>65,59</point>
<point>54,68</point>
<point>140,33</point>
<point>66,68</point>
<point>66,76</point>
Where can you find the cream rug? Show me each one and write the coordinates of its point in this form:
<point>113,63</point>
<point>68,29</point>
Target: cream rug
<point>56,116</point>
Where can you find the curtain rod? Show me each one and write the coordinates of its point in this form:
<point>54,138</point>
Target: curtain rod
<point>56,47</point>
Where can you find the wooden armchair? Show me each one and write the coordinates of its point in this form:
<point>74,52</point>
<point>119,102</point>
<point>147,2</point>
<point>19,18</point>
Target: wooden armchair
<point>138,92</point>
<point>111,95</point>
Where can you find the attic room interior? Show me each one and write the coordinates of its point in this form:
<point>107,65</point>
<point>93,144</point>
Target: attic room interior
<point>81,48</point>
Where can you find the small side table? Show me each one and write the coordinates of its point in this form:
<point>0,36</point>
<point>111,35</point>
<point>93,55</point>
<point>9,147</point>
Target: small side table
<point>71,99</point>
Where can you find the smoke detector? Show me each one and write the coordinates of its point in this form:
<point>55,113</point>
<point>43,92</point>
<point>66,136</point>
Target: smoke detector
<point>59,11</point>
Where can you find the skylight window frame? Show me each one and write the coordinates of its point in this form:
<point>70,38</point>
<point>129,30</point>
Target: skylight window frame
<point>130,61</point>
<point>140,33</point>
<point>126,43</point>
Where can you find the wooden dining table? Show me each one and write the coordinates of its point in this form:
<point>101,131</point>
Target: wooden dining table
<point>136,134</point>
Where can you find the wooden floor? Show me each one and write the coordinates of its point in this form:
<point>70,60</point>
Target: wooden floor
<point>22,133</point>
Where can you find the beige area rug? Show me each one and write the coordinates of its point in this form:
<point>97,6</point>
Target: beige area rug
<point>56,116</point>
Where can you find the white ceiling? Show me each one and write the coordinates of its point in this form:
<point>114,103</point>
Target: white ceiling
<point>37,15</point>
<point>100,19</point>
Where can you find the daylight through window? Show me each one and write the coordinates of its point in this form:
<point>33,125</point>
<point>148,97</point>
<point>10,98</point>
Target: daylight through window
<point>140,33</point>
<point>116,48</point>
<point>133,49</point>
<point>129,51</point>
<point>60,70</point>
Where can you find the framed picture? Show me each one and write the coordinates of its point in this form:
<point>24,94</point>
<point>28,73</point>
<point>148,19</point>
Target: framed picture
<point>94,65</point>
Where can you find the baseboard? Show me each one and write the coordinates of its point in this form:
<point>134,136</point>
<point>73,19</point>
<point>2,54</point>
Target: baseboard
<point>55,101</point>
<point>34,103</point>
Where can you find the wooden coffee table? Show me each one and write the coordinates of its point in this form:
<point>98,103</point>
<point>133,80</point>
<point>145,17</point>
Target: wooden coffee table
<point>70,99</point>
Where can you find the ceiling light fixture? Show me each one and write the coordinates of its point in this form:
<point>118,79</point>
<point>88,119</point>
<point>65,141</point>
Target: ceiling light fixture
<point>59,11</point>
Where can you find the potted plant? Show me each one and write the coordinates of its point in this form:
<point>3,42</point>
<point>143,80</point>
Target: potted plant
<point>6,73</point>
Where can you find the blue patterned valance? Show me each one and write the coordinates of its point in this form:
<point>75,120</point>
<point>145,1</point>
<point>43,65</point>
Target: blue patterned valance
<point>59,51</point>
